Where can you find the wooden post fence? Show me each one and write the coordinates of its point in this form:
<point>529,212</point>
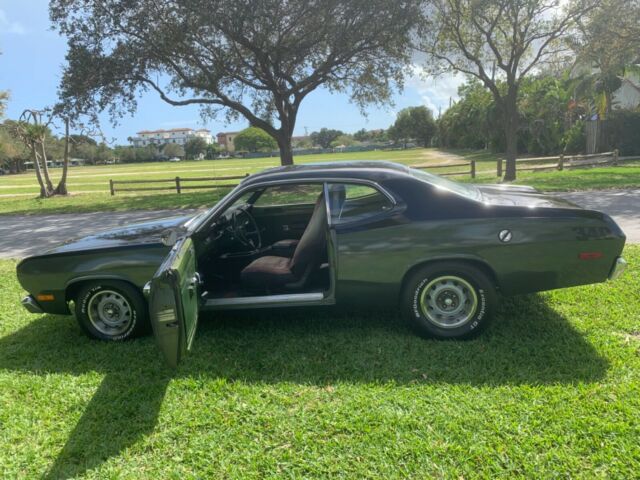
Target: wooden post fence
<point>177,183</point>
<point>471,165</point>
<point>561,162</point>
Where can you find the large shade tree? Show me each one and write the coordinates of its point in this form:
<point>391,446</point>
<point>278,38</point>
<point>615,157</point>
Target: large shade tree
<point>256,59</point>
<point>500,42</point>
<point>324,137</point>
<point>414,123</point>
<point>254,139</point>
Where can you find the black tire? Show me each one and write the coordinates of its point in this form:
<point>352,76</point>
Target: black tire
<point>456,319</point>
<point>123,297</point>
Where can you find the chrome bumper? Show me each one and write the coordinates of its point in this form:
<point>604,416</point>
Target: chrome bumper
<point>31,305</point>
<point>618,268</point>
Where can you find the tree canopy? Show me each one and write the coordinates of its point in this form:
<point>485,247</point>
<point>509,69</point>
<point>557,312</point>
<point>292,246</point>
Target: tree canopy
<point>500,42</point>
<point>254,139</point>
<point>324,137</point>
<point>195,147</point>
<point>253,59</point>
<point>414,123</point>
<point>173,150</point>
<point>607,45</point>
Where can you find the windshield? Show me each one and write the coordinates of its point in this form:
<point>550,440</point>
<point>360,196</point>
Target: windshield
<point>468,191</point>
<point>198,220</point>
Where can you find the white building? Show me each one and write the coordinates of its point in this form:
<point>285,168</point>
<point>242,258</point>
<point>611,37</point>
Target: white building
<point>628,95</point>
<point>179,136</point>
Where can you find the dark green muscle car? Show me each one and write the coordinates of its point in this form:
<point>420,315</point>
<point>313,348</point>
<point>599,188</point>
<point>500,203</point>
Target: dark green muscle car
<point>333,233</point>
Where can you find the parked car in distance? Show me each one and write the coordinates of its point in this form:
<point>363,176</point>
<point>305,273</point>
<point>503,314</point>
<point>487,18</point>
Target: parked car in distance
<point>174,159</point>
<point>362,233</point>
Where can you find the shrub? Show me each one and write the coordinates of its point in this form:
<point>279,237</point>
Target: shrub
<point>622,130</point>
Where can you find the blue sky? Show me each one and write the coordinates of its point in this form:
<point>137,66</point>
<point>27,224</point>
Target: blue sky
<point>33,56</point>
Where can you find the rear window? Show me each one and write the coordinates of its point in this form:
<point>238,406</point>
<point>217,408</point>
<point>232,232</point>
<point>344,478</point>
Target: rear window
<point>353,202</point>
<point>468,191</point>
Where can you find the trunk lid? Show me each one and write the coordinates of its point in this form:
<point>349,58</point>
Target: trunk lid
<point>521,196</point>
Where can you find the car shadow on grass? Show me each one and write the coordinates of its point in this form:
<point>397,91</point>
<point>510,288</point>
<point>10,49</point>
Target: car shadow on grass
<point>528,344</point>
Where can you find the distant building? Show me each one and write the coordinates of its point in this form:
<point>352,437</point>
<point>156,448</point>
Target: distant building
<point>225,140</point>
<point>179,136</point>
<point>628,95</point>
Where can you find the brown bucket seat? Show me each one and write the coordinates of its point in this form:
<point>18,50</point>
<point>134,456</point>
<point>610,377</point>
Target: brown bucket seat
<point>282,272</point>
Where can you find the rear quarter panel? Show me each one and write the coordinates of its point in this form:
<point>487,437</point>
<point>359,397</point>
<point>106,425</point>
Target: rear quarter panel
<point>544,252</point>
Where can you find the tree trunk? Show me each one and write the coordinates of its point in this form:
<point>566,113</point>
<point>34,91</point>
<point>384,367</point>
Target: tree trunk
<point>511,137</point>
<point>61,189</point>
<point>608,99</point>
<point>286,152</point>
<point>36,165</point>
<point>45,168</point>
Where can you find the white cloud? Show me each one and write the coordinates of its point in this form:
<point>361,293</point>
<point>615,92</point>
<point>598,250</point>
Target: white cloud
<point>7,26</point>
<point>436,92</point>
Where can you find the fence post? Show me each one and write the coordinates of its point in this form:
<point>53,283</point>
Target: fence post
<point>178,190</point>
<point>499,173</point>
<point>111,189</point>
<point>561,162</point>
<point>615,157</point>
<point>473,169</point>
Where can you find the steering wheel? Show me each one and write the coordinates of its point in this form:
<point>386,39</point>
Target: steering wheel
<point>246,229</point>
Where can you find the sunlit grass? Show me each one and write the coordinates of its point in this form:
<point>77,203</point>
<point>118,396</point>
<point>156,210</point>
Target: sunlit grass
<point>551,389</point>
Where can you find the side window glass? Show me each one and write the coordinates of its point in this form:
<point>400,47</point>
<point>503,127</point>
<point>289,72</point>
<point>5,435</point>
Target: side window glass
<point>290,194</point>
<point>351,202</point>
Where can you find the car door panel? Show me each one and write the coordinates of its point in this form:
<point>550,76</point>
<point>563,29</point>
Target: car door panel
<point>174,302</point>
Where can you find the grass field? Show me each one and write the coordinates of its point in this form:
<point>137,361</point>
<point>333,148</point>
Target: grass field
<point>552,389</point>
<point>90,185</point>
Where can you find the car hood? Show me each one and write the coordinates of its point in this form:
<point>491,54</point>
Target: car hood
<point>521,196</point>
<point>135,234</point>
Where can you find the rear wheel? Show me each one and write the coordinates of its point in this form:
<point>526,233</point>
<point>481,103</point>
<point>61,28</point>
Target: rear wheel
<point>449,300</point>
<point>111,310</point>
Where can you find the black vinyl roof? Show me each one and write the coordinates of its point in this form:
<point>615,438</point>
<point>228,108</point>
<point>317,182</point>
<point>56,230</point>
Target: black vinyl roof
<point>364,169</point>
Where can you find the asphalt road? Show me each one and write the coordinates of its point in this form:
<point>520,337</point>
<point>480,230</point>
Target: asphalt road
<point>22,235</point>
<point>622,205</point>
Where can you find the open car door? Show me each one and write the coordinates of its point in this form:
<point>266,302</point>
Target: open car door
<point>174,302</point>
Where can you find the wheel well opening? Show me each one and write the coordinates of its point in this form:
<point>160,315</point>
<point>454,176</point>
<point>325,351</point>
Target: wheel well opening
<point>479,264</point>
<point>73,289</point>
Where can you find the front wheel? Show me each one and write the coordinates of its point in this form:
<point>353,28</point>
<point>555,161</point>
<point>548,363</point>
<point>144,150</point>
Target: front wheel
<point>449,300</point>
<point>111,310</point>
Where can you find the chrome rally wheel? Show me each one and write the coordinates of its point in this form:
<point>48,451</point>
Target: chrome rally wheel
<point>109,312</point>
<point>448,301</point>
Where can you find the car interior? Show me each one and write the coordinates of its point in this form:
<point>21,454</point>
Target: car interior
<point>270,241</point>
<point>273,240</point>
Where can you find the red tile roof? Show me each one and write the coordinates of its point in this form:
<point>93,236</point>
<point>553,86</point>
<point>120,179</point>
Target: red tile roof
<point>141,132</point>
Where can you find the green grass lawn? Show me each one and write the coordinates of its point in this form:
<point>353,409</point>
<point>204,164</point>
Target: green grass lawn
<point>551,389</point>
<point>89,186</point>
